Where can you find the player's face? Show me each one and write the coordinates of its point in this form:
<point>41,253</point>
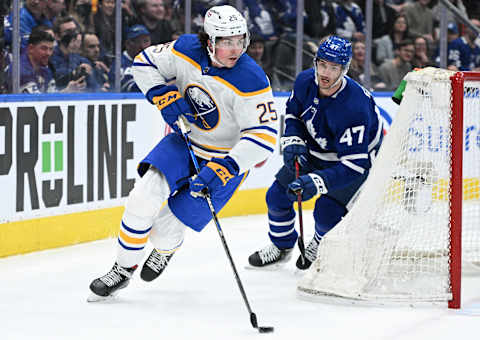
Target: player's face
<point>327,74</point>
<point>229,49</point>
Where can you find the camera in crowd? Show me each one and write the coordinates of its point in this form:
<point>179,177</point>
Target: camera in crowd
<point>76,74</point>
<point>79,72</point>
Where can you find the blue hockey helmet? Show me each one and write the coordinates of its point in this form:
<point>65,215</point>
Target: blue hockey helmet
<point>336,50</point>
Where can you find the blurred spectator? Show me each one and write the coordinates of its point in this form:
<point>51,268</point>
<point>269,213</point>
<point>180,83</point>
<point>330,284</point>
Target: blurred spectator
<point>393,71</point>
<point>82,10</point>
<point>320,18</point>
<point>260,20</point>
<point>422,57</point>
<point>357,70</point>
<point>69,64</point>
<point>97,79</point>
<point>104,24</point>
<point>137,39</point>
<point>452,34</point>
<point>450,16</point>
<point>386,45</point>
<point>35,75</point>
<point>383,18</point>
<point>31,15</point>
<point>151,14</point>
<point>420,19</point>
<point>5,59</point>
<point>349,19</point>
<point>463,54</point>
<point>271,18</point>
<point>398,5</point>
<point>256,50</point>
<point>53,9</point>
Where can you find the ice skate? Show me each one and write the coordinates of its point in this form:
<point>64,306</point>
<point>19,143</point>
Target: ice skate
<point>270,257</point>
<point>106,286</point>
<point>154,265</point>
<point>310,255</point>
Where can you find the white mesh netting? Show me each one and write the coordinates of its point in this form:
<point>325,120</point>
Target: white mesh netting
<point>393,246</point>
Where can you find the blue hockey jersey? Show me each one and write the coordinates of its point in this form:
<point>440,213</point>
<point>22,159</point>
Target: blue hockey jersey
<point>461,55</point>
<point>342,132</point>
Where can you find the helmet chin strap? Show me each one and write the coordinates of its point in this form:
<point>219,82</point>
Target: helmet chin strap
<point>212,54</point>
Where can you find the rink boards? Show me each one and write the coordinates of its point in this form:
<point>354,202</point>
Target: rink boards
<point>68,161</point>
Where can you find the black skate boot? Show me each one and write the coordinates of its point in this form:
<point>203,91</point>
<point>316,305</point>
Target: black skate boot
<point>117,278</point>
<point>310,255</point>
<point>269,255</point>
<point>154,265</point>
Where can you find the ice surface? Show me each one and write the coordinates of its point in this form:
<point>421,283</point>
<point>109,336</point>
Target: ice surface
<point>43,296</point>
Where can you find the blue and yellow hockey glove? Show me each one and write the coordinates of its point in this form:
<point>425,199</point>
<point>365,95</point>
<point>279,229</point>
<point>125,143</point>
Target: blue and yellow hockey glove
<point>171,104</point>
<point>309,185</point>
<point>213,175</point>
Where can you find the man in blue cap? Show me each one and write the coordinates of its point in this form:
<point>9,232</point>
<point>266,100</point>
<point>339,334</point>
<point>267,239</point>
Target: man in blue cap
<point>137,39</point>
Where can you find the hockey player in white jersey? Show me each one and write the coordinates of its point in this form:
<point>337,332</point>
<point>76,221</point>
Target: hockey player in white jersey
<point>333,129</point>
<point>228,102</point>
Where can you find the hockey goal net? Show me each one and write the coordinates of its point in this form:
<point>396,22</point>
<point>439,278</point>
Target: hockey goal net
<point>416,222</point>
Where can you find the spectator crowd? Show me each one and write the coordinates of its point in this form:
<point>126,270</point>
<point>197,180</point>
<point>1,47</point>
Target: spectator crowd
<point>69,45</point>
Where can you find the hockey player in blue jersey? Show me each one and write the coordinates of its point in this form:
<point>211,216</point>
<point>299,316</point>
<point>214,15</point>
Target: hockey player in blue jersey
<point>228,102</point>
<point>333,129</point>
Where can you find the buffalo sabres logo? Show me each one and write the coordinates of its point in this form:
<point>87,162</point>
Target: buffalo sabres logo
<point>205,113</point>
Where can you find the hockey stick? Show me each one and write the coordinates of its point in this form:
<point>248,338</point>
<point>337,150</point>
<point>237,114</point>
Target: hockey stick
<point>253,316</point>
<point>301,244</point>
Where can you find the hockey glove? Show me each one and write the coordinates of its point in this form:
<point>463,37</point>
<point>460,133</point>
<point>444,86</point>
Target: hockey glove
<point>294,148</point>
<point>213,175</point>
<point>171,104</point>
<point>308,185</point>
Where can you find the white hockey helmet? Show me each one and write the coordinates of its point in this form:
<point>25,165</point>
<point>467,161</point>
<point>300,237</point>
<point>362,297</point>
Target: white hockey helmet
<point>225,21</point>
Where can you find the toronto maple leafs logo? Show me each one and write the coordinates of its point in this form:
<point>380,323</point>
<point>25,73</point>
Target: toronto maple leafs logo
<point>322,142</point>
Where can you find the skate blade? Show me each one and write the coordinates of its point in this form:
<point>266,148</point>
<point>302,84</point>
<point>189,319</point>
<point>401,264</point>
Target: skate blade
<point>268,268</point>
<point>97,298</point>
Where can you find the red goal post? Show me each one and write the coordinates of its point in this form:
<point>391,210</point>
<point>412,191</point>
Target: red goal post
<point>402,240</point>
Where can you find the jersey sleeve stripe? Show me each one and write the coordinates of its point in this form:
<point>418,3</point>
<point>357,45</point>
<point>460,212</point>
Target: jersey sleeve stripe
<point>141,64</point>
<point>326,156</point>
<point>148,60</point>
<point>353,166</point>
<point>211,148</point>
<point>258,143</point>
<point>291,116</point>
<point>186,58</point>
<point>268,128</point>
<point>356,156</point>
<point>263,136</point>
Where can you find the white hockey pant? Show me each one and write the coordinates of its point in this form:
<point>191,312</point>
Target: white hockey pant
<point>146,217</point>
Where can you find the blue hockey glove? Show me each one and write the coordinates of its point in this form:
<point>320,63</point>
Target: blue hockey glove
<point>308,185</point>
<point>294,148</point>
<point>171,104</point>
<point>213,175</point>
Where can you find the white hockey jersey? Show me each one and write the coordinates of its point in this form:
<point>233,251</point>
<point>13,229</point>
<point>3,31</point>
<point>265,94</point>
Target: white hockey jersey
<point>234,107</point>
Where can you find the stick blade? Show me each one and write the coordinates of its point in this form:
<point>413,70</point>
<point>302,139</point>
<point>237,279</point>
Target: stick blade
<point>266,329</point>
